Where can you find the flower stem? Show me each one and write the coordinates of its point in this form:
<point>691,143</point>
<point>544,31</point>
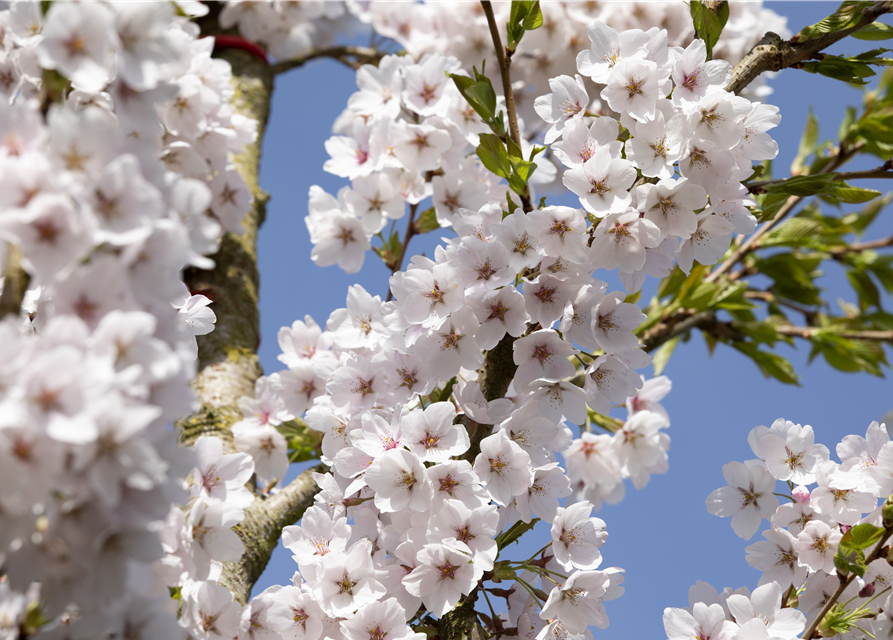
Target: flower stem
<point>504,63</point>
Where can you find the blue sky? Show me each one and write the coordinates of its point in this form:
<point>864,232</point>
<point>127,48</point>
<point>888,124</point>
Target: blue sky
<point>662,535</point>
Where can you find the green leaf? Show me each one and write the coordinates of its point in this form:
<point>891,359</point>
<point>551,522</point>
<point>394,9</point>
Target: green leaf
<point>447,391</point>
<point>303,442</point>
<point>534,19</point>
<point>478,93</point>
<point>808,143</point>
<point>849,559</point>
<point>793,232</point>
<point>511,205</point>
<point>701,295</point>
<point>862,536</point>
<point>853,195</point>
<point>848,119</point>
<point>605,422</point>
<point>758,331</point>
<point>847,15</point>
<point>709,25</point>
<point>794,274</point>
<point>426,222</point>
<point>517,185</point>
<point>662,355</point>
<point>772,365</point>
<point>874,31</point>
<point>523,169</point>
<point>847,355</point>
<point>853,69</point>
<point>670,284</point>
<point>769,204</point>
<point>867,290</point>
<point>803,186</point>
<point>513,149</point>
<point>514,532</point>
<point>493,155</point>
<point>526,15</point>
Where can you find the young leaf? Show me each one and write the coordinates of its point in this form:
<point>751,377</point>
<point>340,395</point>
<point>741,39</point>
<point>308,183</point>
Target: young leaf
<point>807,144</point>
<point>493,155</point>
<point>662,355</point>
<point>709,25</point>
<point>803,186</point>
<point>861,536</point>
<point>426,222</point>
<point>874,31</point>
<point>526,15</point>
<point>771,364</point>
<point>853,195</point>
<point>847,15</point>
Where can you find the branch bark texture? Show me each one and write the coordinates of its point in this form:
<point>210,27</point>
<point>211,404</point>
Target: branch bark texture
<point>228,365</point>
<point>774,54</point>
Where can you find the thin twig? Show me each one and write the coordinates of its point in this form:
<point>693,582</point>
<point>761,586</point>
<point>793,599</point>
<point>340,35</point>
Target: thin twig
<point>858,247</point>
<point>885,171</point>
<point>504,63</point>
<point>844,583</point>
<point>751,243</point>
<point>361,55</point>
<point>774,54</point>
<point>768,296</point>
<point>808,332</point>
<point>410,232</point>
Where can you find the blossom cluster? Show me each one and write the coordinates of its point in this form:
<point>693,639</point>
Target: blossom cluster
<point>428,463</point>
<point>707,135</point>
<point>825,499</point>
<point>404,137</point>
<point>461,30</point>
<point>116,132</point>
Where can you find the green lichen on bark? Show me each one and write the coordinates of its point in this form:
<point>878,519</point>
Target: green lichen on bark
<point>461,624</point>
<point>261,528</point>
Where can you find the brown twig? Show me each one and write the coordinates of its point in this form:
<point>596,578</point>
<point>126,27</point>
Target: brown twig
<point>343,54</point>
<point>885,171</point>
<point>410,232</point>
<point>844,153</point>
<point>858,247</point>
<point>808,332</point>
<point>774,54</point>
<point>504,63</point>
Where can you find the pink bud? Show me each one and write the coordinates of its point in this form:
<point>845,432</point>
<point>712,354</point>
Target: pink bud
<point>845,527</point>
<point>800,494</point>
<point>867,591</point>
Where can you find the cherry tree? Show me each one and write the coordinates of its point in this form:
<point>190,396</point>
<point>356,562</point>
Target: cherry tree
<point>143,452</point>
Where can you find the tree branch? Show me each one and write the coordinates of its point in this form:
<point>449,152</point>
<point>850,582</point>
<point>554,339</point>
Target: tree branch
<point>774,54</point>
<point>504,64</point>
<point>844,153</point>
<point>858,247</point>
<point>675,325</point>
<point>360,55</point>
<point>808,332</point>
<point>885,171</point>
<point>261,529</point>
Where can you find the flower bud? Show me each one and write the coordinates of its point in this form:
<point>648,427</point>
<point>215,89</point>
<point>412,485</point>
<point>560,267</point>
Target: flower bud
<point>800,494</point>
<point>887,512</point>
<point>867,591</point>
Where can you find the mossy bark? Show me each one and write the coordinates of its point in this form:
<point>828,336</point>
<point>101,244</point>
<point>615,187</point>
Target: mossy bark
<point>228,366</point>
